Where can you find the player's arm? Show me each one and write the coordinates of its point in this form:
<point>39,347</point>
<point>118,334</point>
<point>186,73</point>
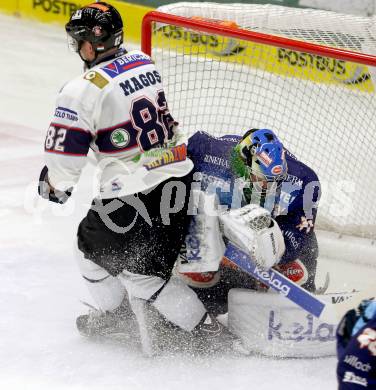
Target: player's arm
<point>306,203</point>
<point>66,146</point>
<point>298,224</point>
<point>47,191</point>
<point>298,235</point>
<point>299,261</point>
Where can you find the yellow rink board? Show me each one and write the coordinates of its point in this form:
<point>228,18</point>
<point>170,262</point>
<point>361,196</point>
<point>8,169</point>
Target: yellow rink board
<point>59,11</point>
<point>284,62</point>
<point>271,59</point>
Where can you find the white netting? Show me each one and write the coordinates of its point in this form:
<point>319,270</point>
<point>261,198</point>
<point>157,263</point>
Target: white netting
<point>323,109</point>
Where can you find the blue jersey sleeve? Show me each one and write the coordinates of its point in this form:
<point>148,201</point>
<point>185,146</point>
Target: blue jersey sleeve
<point>212,166</point>
<point>297,210</point>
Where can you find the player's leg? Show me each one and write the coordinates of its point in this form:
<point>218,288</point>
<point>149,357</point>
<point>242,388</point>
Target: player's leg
<point>106,290</point>
<point>143,257</point>
<point>112,314</point>
<point>169,296</point>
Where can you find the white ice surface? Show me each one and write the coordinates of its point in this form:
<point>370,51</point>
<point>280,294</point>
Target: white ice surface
<point>40,286</point>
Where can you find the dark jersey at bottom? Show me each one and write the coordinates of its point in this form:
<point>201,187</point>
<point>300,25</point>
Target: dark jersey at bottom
<point>356,368</point>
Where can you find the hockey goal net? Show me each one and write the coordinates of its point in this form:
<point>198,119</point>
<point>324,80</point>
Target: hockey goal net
<point>307,74</point>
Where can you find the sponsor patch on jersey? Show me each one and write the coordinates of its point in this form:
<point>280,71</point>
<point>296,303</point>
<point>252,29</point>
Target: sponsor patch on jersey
<point>120,138</point>
<point>292,239</point>
<point>208,158</point>
<point>96,78</point>
<point>350,377</point>
<point>295,271</point>
<point>123,64</point>
<point>354,361</point>
<point>173,155</point>
<point>66,113</point>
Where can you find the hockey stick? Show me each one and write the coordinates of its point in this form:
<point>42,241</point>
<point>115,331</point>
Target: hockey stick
<point>324,287</point>
<point>276,280</point>
<point>338,310</point>
<point>296,294</point>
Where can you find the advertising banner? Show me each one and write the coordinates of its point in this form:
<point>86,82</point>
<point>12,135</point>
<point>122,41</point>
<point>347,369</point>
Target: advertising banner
<point>59,11</point>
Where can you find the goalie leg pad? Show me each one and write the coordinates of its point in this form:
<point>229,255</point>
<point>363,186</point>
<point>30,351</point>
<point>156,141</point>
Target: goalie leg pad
<point>204,247</point>
<point>269,324</point>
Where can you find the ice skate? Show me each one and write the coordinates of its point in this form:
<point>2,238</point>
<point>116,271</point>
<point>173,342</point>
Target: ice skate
<point>117,325</point>
<point>211,336</point>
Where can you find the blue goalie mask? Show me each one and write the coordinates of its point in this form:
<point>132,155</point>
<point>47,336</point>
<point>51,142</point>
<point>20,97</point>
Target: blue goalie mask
<point>264,156</point>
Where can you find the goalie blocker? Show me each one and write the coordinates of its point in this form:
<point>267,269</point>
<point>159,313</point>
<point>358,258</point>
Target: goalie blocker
<point>250,228</point>
<point>201,263</point>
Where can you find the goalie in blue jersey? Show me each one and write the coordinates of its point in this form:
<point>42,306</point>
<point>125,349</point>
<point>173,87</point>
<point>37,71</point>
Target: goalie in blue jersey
<point>249,176</point>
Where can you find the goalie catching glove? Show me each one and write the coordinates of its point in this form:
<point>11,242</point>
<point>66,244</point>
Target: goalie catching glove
<point>253,230</point>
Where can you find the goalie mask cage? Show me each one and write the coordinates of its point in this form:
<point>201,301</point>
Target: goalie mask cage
<point>305,74</point>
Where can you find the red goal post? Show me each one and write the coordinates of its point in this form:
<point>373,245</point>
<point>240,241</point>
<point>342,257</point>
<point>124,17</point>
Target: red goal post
<point>206,26</point>
<point>223,78</point>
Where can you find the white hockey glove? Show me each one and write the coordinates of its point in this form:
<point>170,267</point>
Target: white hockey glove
<point>253,230</point>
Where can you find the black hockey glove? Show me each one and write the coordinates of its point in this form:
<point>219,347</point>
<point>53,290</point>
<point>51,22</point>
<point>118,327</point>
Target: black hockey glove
<point>47,192</point>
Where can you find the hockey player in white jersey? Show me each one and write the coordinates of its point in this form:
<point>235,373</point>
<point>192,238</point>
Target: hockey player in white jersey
<point>131,236</point>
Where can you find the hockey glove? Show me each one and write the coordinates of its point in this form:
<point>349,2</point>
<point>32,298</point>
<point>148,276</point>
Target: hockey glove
<point>252,229</point>
<point>47,192</point>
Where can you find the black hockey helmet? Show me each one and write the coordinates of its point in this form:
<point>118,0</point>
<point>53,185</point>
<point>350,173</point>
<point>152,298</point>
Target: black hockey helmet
<point>98,23</point>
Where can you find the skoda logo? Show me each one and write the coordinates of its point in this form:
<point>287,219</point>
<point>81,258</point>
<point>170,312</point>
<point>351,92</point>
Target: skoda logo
<point>120,138</point>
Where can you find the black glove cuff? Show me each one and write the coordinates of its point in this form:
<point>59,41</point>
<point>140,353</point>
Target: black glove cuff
<point>46,192</point>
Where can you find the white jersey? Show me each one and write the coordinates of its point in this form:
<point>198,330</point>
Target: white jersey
<point>118,109</point>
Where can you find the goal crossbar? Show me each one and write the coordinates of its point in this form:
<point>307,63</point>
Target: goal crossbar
<point>253,36</point>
